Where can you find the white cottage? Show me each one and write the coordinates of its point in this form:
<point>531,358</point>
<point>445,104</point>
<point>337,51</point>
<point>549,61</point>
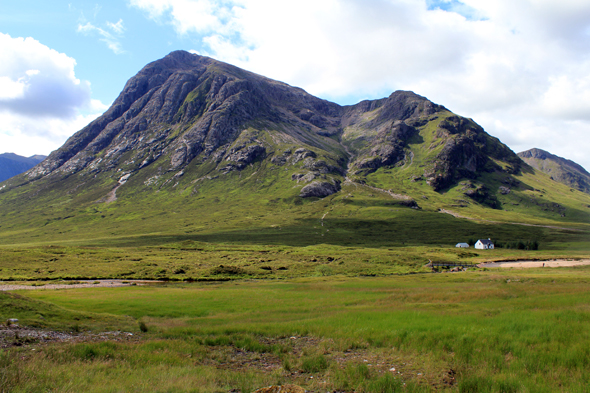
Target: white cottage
<point>462,245</point>
<point>484,244</point>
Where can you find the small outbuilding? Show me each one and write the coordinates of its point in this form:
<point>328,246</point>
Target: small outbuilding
<point>462,245</point>
<point>484,244</point>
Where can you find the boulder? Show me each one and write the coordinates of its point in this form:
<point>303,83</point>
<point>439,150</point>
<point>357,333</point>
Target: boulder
<point>319,189</point>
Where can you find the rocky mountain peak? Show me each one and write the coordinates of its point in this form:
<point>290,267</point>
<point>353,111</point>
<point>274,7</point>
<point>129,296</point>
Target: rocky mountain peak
<point>559,169</point>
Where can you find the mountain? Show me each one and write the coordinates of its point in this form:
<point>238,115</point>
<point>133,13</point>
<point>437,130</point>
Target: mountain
<point>560,169</point>
<point>187,111</point>
<point>12,164</point>
<point>201,145</point>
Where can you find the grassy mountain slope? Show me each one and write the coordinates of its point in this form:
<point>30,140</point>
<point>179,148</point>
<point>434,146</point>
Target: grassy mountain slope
<point>197,149</point>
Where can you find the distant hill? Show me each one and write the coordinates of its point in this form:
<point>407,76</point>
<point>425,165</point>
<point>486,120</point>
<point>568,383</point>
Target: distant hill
<point>12,164</point>
<point>560,169</point>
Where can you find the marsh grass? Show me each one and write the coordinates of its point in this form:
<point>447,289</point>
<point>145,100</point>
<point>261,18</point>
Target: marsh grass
<point>525,330</point>
<point>198,261</point>
<point>314,364</point>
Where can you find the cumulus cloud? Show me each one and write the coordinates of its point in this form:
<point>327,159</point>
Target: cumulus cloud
<point>191,16</point>
<point>36,80</point>
<point>518,67</point>
<point>41,100</point>
<point>27,136</point>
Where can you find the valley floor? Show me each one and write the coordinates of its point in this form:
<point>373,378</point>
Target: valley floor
<point>499,330</point>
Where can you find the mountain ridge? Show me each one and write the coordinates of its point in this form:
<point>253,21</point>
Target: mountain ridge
<point>560,169</point>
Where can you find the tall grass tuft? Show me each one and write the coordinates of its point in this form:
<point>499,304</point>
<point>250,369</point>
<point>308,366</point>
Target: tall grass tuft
<point>10,372</point>
<point>352,377</point>
<point>385,384</point>
<point>314,364</point>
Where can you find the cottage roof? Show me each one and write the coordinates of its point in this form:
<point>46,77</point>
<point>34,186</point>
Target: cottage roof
<point>486,241</point>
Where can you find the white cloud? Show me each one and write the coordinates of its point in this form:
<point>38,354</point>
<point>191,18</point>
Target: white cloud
<point>27,136</point>
<point>41,100</point>
<point>519,67</point>
<point>111,36</point>
<point>190,16</point>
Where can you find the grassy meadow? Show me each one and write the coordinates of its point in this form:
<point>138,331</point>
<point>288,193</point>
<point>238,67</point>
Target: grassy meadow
<point>477,331</point>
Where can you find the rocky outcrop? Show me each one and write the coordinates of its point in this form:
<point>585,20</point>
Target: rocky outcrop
<point>467,152</point>
<point>241,156</point>
<point>319,189</point>
<point>387,149</point>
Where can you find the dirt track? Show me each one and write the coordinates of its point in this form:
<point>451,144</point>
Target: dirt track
<point>77,284</point>
<point>530,264</point>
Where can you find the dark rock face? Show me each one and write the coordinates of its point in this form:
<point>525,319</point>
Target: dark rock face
<point>404,105</point>
<point>467,151</point>
<point>319,189</point>
<point>459,158</point>
<point>243,156</point>
<point>388,148</point>
<point>560,169</point>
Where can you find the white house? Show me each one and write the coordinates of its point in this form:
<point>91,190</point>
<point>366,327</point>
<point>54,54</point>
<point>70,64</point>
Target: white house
<point>484,244</point>
<point>462,245</point>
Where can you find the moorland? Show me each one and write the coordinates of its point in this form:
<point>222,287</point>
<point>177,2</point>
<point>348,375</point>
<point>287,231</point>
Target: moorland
<point>267,237</point>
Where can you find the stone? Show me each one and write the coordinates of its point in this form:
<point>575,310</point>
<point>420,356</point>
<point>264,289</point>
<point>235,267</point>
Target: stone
<point>319,189</point>
<point>281,389</point>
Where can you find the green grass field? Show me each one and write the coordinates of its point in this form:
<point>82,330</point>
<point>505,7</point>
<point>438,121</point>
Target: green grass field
<point>200,261</point>
<point>490,331</point>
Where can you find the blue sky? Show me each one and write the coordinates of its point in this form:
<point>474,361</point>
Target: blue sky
<point>56,24</point>
<point>520,68</point>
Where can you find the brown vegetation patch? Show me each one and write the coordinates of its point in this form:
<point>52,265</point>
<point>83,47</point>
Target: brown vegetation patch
<point>16,336</point>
